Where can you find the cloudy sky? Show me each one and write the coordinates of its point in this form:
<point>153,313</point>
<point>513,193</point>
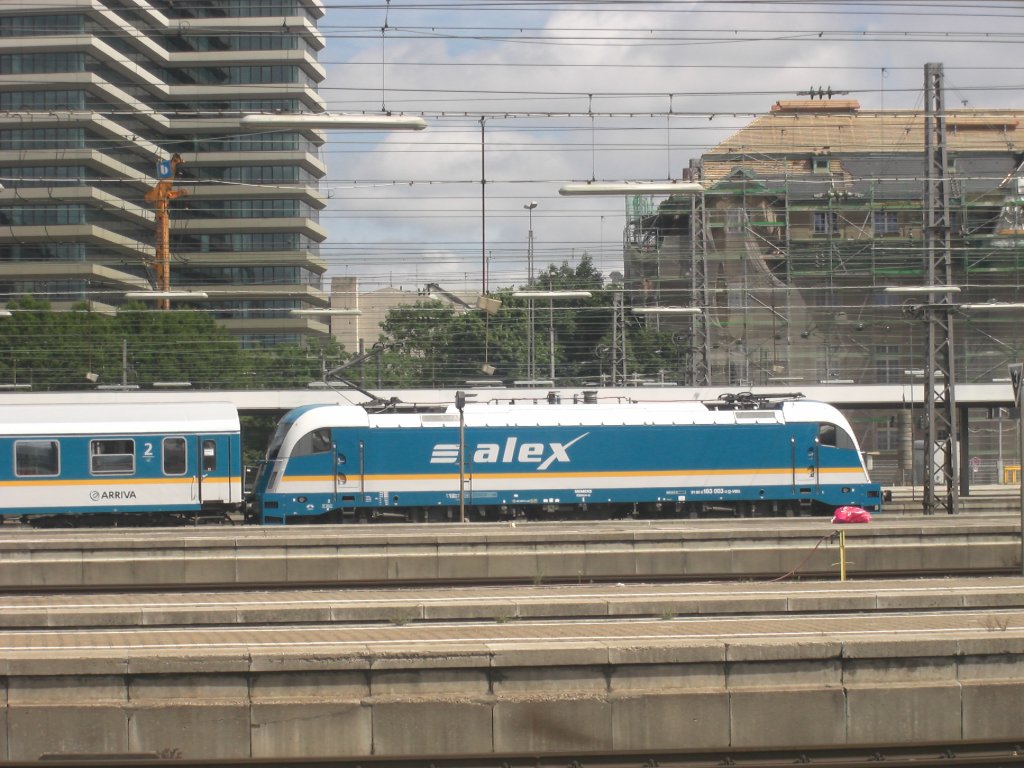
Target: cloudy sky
<point>529,95</point>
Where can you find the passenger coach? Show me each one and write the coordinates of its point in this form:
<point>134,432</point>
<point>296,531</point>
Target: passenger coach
<point>335,462</point>
<point>156,460</point>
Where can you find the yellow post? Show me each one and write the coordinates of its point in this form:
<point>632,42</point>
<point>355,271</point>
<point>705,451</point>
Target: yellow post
<point>842,555</point>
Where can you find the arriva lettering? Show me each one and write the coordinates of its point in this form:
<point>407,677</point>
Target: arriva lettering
<point>114,495</point>
<point>511,452</point>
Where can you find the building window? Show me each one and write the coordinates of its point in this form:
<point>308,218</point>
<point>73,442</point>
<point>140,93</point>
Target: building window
<point>47,25</point>
<point>41,63</point>
<point>886,223</point>
<point>888,364</point>
<point>826,223</point>
<point>820,164</point>
<point>888,435</point>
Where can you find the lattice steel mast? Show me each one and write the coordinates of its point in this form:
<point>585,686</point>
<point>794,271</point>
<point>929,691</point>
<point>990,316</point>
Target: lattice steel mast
<point>941,463</point>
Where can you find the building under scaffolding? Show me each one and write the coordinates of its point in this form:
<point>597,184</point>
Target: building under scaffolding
<point>810,212</point>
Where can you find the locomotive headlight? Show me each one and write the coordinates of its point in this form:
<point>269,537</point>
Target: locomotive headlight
<point>300,499</point>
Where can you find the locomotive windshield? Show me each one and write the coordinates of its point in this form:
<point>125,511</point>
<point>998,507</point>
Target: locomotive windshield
<point>835,436</point>
<point>317,441</point>
<point>277,439</point>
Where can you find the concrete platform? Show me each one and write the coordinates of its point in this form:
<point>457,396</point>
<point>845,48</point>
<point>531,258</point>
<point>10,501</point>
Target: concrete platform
<point>696,683</point>
<point>483,552</point>
<point>504,604</point>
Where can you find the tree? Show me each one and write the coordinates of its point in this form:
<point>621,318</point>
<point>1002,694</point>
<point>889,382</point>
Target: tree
<point>178,346</point>
<point>47,349</point>
<point>433,344</point>
<point>581,326</point>
<point>140,346</point>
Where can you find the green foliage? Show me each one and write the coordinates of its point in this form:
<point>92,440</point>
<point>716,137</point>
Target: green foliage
<point>257,430</point>
<point>139,346</point>
<point>433,344</point>
<point>175,346</point>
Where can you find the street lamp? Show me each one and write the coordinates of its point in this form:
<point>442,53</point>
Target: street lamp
<point>997,305</point>
<point>325,312</point>
<point>550,296</point>
<point>632,188</point>
<point>919,290</point>
<point>531,350</point>
<point>327,120</point>
<point>667,310</point>
<point>165,295</point>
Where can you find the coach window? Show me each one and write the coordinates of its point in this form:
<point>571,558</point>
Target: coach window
<point>112,457</point>
<point>175,457</point>
<point>36,458</point>
<point>317,441</point>
<point>209,455</point>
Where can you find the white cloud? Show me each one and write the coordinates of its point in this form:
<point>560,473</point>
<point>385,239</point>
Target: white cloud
<point>713,63</point>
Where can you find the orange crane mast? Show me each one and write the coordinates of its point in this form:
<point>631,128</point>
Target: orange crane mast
<point>160,196</point>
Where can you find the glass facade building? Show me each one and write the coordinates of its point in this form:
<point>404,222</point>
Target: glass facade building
<point>95,93</point>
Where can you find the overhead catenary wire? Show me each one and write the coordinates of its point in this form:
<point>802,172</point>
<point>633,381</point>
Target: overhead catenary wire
<point>912,15</point>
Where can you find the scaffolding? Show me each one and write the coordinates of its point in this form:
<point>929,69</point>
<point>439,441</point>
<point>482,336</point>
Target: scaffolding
<point>809,214</point>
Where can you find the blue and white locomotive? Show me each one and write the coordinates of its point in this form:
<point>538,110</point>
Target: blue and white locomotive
<point>143,463</point>
<point>337,462</point>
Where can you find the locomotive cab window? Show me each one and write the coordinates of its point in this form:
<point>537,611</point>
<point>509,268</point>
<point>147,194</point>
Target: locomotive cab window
<point>175,456</point>
<point>317,441</point>
<point>36,458</point>
<point>834,436</point>
<point>112,457</point>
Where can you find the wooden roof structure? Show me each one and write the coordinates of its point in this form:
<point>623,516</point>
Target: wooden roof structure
<point>801,129</point>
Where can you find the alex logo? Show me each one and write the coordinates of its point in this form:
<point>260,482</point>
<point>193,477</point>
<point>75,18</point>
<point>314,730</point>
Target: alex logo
<point>511,452</point>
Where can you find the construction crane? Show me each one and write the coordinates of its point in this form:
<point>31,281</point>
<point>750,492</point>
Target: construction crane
<point>160,196</point>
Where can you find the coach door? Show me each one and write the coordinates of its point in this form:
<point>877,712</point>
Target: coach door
<point>209,460</point>
<point>174,463</point>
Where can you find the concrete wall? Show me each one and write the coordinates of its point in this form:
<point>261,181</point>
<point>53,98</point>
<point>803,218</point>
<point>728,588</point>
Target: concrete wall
<point>503,698</point>
<point>537,553</point>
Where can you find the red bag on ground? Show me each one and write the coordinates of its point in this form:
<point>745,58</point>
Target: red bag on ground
<point>850,514</point>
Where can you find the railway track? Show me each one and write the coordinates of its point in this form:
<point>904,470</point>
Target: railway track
<point>932,755</point>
